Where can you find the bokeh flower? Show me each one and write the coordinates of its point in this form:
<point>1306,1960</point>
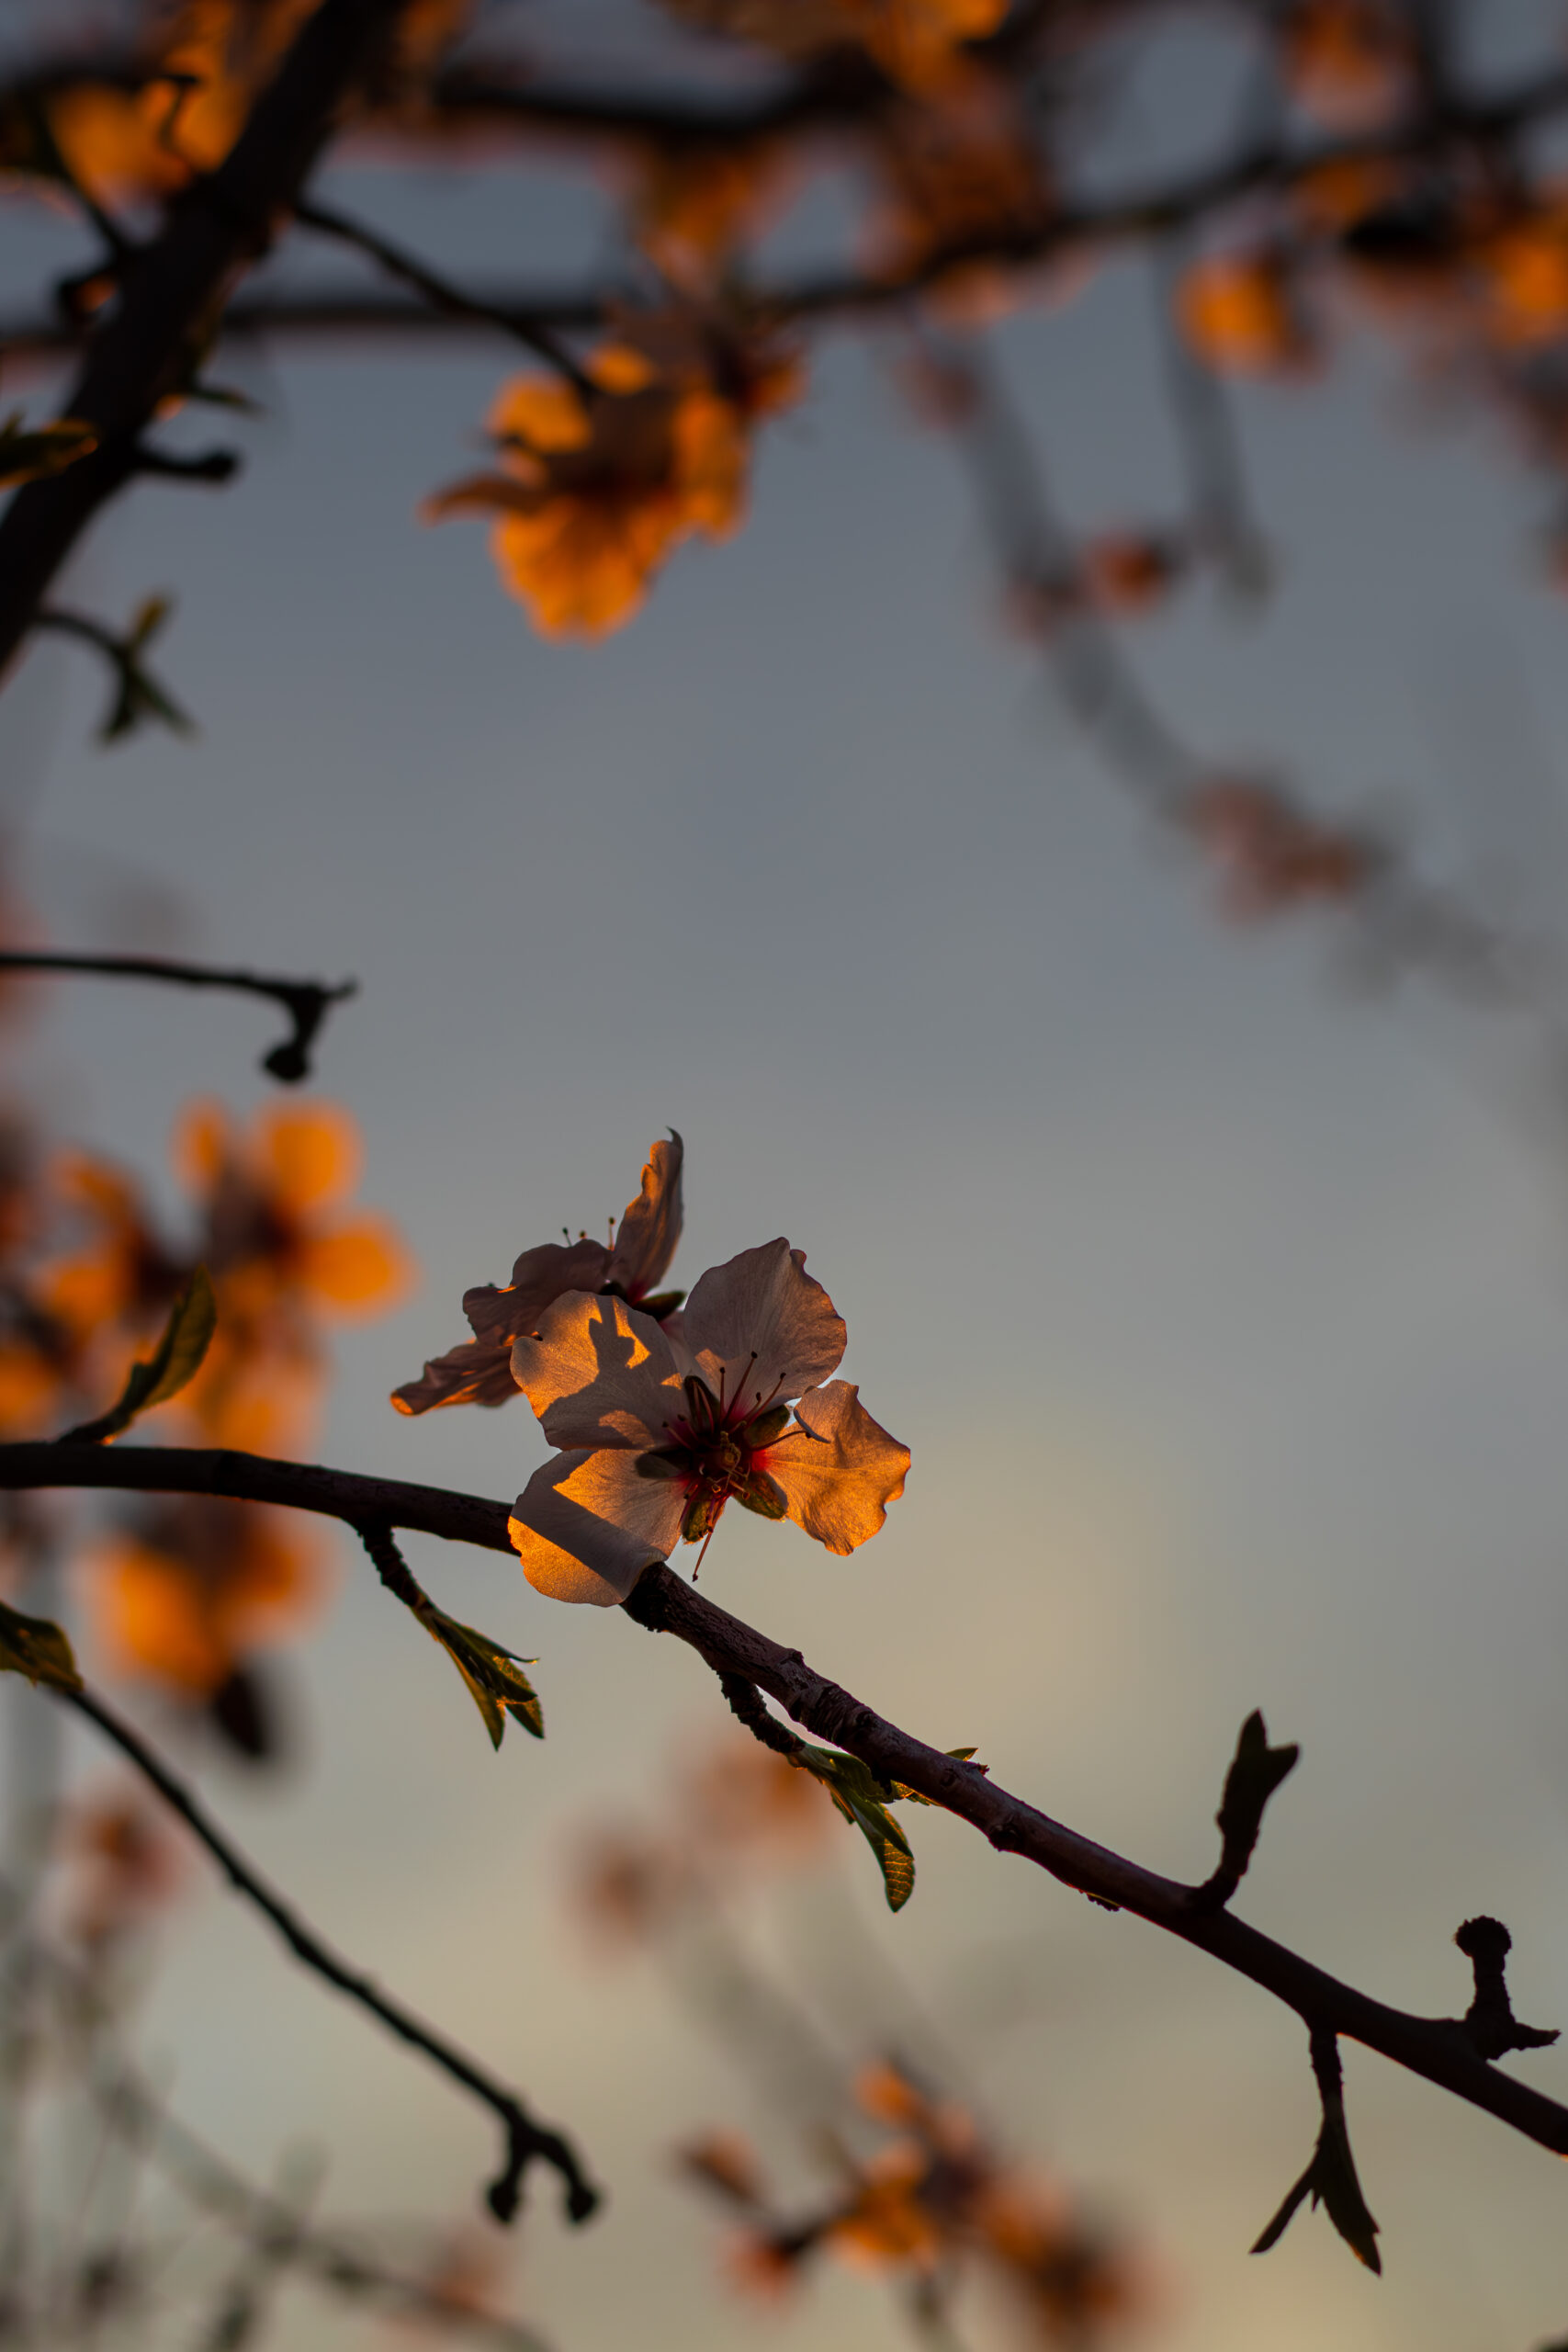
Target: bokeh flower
<point>282,1254</point>
<point>598,485</point>
<point>196,1585</point>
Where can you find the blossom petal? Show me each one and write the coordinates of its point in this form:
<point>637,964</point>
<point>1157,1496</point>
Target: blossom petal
<point>597,1372</point>
<point>480,1371</point>
<point>760,1323</point>
<point>476,1373</point>
<point>838,1468</point>
<point>538,1278</point>
<point>588,1522</point>
<point>648,1233</point>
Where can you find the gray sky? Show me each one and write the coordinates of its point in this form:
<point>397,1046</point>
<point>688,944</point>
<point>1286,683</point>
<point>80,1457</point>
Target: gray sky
<point>1226,1310</point>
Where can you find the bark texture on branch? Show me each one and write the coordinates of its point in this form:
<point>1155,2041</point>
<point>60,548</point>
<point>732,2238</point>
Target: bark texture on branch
<point>1440,2049</point>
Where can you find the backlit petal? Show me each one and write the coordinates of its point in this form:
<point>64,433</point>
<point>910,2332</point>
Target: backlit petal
<point>540,1277</point>
<point>588,1523</point>
<point>839,1469</point>
<point>598,1374</point>
<point>480,1371</point>
<point>764,1325</point>
<point>650,1229</point>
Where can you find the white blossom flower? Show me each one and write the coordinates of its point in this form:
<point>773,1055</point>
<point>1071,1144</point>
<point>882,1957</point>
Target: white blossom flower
<point>659,1426</point>
<point>632,1265</point>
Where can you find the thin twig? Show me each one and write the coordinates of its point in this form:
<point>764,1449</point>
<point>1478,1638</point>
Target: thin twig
<point>439,293</point>
<point>307,1003</point>
<point>142,2118</point>
<point>525,2140</point>
<point>1438,2049</point>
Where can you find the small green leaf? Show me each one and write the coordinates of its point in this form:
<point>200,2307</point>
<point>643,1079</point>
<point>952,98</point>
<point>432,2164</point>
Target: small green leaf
<point>859,1798</point>
<point>176,1359</point>
<point>494,1677</point>
<point>33,1646</point>
<point>140,696</point>
<point>29,455</point>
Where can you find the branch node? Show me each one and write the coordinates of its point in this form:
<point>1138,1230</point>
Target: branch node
<point>746,1701</point>
<point>1489,2021</point>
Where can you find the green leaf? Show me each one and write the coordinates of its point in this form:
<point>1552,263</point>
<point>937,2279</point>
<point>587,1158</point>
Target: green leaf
<point>494,1677</point>
<point>28,455</point>
<point>859,1796</point>
<point>139,694</point>
<point>177,1357</point>
<point>33,1646</point>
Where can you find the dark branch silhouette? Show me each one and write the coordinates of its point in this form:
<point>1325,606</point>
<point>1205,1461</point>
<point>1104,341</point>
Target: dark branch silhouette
<point>526,2141</point>
<point>151,340</point>
<point>1441,2049</point>
<point>307,1003</point>
<point>140,2116</point>
<point>438,292</point>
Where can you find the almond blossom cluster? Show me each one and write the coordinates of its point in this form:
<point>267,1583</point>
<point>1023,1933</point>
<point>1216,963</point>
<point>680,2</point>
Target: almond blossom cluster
<point>915,2190</point>
<point>186,1593</point>
<point>935,2205</point>
<point>662,1414</point>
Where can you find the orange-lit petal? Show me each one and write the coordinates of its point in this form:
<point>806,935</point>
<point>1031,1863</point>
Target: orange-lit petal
<point>838,1469</point>
<point>711,452</point>
<point>761,1326</point>
<point>647,1233</point>
<point>541,412</point>
<point>310,1155</point>
<point>480,1371</point>
<point>598,1374</point>
<point>203,1142</point>
<point>589,1524</point>
<point>153,1615</point>
<point>357,1267</point>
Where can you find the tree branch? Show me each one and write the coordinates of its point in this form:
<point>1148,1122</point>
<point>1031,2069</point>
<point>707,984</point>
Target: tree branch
<point>1441,2050</point>
<point>172,293</point>
<point>526,2142</point>
<point>442,297</point>
<point>1185,201</point>
<point>307,1003</point>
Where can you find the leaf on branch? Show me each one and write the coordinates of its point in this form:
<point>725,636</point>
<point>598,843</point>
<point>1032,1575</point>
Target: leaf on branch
<point>1330,2181</point>
<point>140,696</point>
<point>494,1677</point>
<point>28,455</point>
<point>861,1798</point>
<point>905,1794</point>
<point>176,1359</point>
<point>38,1649</point>
<point>1256,1771</point>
